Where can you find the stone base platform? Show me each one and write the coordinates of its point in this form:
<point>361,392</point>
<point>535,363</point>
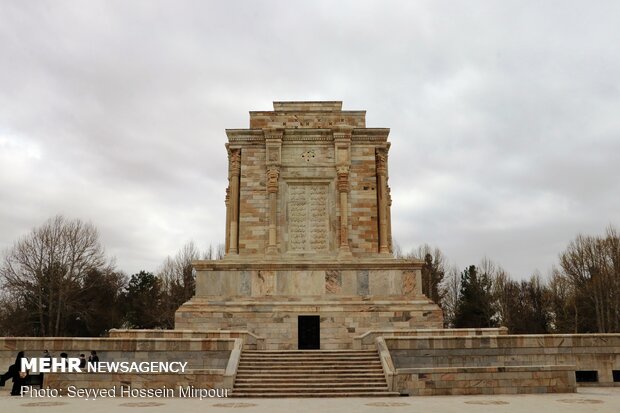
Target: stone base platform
<point>276,319</point>
<point>347,297</point>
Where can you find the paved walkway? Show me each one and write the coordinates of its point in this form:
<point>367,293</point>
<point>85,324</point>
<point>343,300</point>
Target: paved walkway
<point>600,399</point>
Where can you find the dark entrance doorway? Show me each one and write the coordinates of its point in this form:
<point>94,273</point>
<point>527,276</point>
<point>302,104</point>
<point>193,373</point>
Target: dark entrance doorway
<point>308,332</point>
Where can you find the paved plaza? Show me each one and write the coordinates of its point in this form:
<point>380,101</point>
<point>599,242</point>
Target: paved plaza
<point>590,399</point>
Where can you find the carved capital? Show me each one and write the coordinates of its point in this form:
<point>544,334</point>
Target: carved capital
<point>273,172</point>
<point>273,145</point>
<point>381,157</point>
<point>273,135</point>
<point>342,133</point>
<point>235,162</point>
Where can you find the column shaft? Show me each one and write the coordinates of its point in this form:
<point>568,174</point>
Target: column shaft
<point>273,173</point>
<point>382,208</point>
<point>235,162</point>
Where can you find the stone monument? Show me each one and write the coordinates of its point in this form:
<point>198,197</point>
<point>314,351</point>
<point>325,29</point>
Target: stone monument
<point>308,260</point>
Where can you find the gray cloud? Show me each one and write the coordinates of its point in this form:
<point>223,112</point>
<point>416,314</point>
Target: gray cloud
<point>504,116</point>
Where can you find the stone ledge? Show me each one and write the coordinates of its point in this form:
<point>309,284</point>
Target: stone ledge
<point>308,301</point>
<point>261,263</point>
<point>490,369</point>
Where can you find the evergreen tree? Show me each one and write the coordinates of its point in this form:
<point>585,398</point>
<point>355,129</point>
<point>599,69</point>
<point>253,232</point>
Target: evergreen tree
<point>475,305</point>
<point>142,299</point>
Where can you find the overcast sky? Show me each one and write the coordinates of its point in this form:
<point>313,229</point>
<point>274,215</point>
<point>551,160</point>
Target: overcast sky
<point>504,116</point>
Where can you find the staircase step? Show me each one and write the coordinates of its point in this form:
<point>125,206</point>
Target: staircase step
<point>310,373</point>
<point>315,394</point>
<point>325,364</point>
<point>353,352</point>
<point>304,378</point>
<point>312,353</point>
<point>308,389</point>
<point>306,359</point>
<point>303,374</point>
<point>306,372</point>
<point>309,386</point>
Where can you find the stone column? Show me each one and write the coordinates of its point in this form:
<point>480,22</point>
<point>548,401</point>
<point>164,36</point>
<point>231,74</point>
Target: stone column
<point>389,219</point>
<point>343,189</point>
<point>389,201</point>
<point>235,173</point>
<point>227,202</point>
<point>273,146</point>
<point>273,172</point>
<point>382,199</point>
<point>342,141</point>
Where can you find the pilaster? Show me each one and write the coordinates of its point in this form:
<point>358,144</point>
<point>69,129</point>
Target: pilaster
<point>273,146</point>
<point>342,142</point>
<point>234,159</point>
<point>382,199</point>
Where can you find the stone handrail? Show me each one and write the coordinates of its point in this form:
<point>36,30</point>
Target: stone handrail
<point>233,364</point>
<point>386,363</point>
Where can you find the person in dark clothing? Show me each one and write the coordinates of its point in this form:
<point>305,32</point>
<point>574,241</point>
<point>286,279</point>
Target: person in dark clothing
<point>82,361</point>
<point>46,356</point>
<point>65,359</point>
<point>93,358</point>
<point>19,378</point>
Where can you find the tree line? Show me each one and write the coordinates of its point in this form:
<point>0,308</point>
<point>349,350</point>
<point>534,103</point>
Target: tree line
<point>581,295</point>
<point>58,281</point>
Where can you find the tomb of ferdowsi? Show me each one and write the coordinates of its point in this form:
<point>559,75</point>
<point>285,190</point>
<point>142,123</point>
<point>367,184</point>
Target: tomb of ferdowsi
<point>309,300</point>
<point>308,248</point>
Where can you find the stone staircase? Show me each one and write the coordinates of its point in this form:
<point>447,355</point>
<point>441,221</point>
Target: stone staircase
<point>310,373</point>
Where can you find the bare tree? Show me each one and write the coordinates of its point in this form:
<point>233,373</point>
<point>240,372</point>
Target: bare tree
<point>48,268</point>
<point>451,296</point>
<point>433,271</point>
<point>591,265</point>
<point>177,277</point>
<point>504,294</point>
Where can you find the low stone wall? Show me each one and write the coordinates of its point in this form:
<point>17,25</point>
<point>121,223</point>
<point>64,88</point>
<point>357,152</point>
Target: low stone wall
<point>485,380</point>
<point>211,362</point>
<point>250,341</point>
<point>599,352</point>
<point>367,340</point>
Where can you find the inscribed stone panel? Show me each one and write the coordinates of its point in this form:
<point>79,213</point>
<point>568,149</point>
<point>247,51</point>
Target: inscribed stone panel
<point>308,227</point>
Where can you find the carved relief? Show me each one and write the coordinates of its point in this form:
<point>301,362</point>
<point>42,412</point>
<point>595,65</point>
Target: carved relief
<point>235,161</point>
<point>343,178</point>
<point>333,281</point>
<point>308,228</point>
<point>317,217</point>
<point>381,156</point>
<point>297,217</point>
<point>408,283</point>
<point>273,172</point>
<point>308,155</point>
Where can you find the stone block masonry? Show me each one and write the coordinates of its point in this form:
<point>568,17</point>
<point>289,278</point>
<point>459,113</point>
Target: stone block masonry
<point>308,234</point>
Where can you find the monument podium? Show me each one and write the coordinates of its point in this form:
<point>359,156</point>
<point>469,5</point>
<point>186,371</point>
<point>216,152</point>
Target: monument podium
<point>308,260</point>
